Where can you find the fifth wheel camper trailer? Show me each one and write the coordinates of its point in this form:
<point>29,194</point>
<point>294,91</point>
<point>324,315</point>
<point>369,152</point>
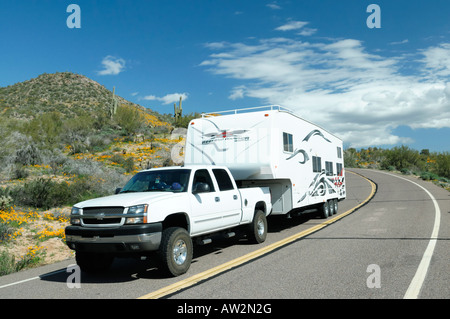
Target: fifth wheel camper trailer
<point>271,146</point>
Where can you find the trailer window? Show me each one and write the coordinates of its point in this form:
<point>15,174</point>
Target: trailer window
<point>317,164</point>
<point>339,152</point>
<point>288,145</point>
<point>339,169</point>
<point>223,179</point>
<point>329,168</point>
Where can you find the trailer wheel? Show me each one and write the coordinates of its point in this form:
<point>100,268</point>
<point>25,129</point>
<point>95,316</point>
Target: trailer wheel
<point>258,228</point>
<point>175,251</point>
<point>331,208</point>
<point>336,206</point>
<point>93,262</point>
<point>324,210</point>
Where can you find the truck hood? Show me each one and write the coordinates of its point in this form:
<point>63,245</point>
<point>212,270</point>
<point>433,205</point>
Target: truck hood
<point>128,199</point>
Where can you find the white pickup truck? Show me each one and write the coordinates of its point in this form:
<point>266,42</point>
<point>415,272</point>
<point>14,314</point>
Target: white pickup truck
<point>163,210</point>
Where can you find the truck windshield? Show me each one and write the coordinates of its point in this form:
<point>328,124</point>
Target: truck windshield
<point>170,180</point>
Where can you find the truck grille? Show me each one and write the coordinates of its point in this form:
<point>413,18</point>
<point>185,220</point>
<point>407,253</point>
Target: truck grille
<point>101,215</point>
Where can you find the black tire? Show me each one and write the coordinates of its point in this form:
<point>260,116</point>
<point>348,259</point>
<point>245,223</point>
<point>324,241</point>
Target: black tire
<point>258,228</point>
<point>93,262</point>
<point>324,210</point>
<point>175,251</point>
<point>331,211</point>
<point>336,206</point>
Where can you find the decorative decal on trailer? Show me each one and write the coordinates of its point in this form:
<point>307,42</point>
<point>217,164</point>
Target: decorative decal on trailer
<point>315,132</point>
<point>306,139</point>
<point>321,184</point>
<point>305,156</point>
<point>225,135</point>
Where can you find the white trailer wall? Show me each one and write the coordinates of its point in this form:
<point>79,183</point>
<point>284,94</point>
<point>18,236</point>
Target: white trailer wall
<point>302,162</point>
<point>242,142</point>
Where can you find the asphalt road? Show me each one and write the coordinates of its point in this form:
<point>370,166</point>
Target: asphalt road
<point>394,246</point>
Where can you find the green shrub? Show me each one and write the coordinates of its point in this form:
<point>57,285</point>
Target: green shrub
<point>31,259</point>
<point>19,172</point>
<point>7,263</point>
<point>428,176</point>
<point>443,164</point>
<point>128,118</point>
<point>405,171</point>
<point>350,157</point>
<point>117,158</point>
<point>128,165</point>
<point>45,193</point>
<point>401,158</point>
<point>5,232</point>
<point>28,155</point>
<point>5,201</point>
<point>98,143</point>
<point>36,193</point>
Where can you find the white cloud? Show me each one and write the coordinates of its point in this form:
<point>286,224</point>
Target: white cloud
<point>297,25</point>
<point>360,96</point>
<point>292,25</point>
<point>307,32</point>
<point>150,98</point>
<point>112,65</point>
<point>400,42</point>
<point>216,45</point>
<point>167,99</point>
<point>273,6</point>
<point>237,93</point>
<point>437,59</point>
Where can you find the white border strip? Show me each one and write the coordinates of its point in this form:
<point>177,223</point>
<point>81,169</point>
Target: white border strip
<point>416,284</point>
<point>33,278</point>
<point>19,282</point>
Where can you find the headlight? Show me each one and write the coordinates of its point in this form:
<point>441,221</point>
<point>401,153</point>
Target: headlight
<point>139,212</point>
<point>75,216</point>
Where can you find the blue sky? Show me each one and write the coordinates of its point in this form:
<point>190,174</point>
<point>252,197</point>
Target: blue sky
<point>370,86</point>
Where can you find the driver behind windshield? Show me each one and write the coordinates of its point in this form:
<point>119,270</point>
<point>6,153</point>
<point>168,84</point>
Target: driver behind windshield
<point>167,180</point>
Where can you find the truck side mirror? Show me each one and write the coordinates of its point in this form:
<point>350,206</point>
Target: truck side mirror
<point>201,188</point>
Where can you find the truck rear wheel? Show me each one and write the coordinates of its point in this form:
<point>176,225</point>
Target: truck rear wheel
<point>175,251</point>
<point>93,262</point>
<point>258,228</point>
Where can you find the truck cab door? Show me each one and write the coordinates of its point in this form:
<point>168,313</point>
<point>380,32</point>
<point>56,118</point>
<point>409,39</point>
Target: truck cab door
<point>206,213</point>
<point>229,198</point>
<point>212,209</point>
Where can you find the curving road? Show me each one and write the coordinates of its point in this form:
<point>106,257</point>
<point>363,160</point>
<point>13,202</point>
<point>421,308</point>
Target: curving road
<point>394,246</point>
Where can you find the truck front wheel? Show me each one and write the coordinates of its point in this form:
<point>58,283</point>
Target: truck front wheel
<point>258,227</point>
<point>175,251</point>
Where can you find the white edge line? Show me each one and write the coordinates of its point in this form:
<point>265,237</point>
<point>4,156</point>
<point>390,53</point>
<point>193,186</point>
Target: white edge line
<point>33,278</point>
<point>418,279</point>
<point>19,282</point>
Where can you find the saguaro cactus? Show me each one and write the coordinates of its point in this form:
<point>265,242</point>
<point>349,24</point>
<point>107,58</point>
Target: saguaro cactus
<point>113,107</point>
<point>178,111</point>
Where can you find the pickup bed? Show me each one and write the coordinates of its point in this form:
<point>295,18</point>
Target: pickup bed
<point>164,210</point>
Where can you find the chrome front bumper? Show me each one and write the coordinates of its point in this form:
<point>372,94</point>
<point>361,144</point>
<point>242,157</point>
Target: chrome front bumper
<point>127,238</point>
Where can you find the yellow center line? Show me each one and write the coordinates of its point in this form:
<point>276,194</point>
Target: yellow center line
<point>252,255</point>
